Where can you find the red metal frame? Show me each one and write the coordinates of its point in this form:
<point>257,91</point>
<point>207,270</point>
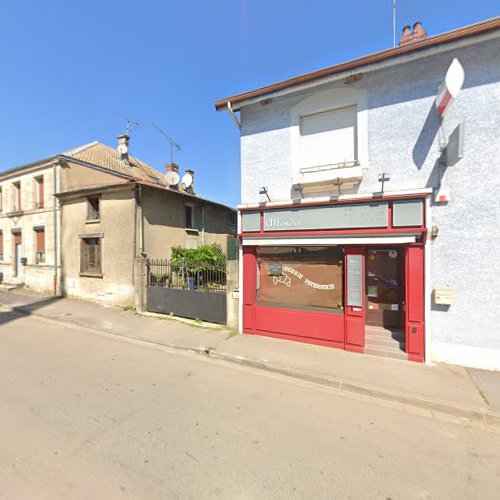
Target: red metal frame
<point>342,331</point>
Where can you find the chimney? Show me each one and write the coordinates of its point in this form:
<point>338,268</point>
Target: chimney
<point>190,188</point>
<point>123,141</point>
<point>418,34</point>
<point>171,167</point>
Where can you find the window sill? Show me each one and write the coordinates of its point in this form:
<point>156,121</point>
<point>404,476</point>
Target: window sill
<point>192,230</point>
<point>89,274</point>
<point>92,221</point>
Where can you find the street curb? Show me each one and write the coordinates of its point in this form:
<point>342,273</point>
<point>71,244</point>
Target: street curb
<point>477,415</point>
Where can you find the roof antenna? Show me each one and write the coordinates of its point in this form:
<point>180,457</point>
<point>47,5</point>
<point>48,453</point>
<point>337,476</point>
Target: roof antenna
<point>130,124</point>
<point>173,145</point>
<point>394,23</point>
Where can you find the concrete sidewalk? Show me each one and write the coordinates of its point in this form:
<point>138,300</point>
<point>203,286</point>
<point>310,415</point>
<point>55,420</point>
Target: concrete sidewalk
<point>452,390</point>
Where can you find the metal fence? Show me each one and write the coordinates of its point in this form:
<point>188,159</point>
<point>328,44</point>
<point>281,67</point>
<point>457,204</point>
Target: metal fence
<point>190,289</point>
<point>201,276</point>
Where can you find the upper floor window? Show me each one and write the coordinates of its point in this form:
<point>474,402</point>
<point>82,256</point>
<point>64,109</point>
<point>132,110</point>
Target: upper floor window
<point>16,193</point>
<point>39,192</point>
<point>93,208</point>
<point>329,138</point>
<point>189,216</point>
<point>1,200</point>
<point>1,245</point>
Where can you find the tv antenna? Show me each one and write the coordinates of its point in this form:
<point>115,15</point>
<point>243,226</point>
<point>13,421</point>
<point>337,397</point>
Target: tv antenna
<point>394,23</point>
<point>173,145</point>
<point>131,123</point>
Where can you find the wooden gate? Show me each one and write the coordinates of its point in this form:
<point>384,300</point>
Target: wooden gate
<point>190,289</point>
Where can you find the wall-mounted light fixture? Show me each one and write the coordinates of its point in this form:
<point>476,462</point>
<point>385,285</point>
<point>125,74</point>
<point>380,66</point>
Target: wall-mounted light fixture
<point>338,182</point>
<point>263,190</point>
<point>383,178</point>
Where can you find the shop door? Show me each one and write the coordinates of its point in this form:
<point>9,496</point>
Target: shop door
<point>384,289</point>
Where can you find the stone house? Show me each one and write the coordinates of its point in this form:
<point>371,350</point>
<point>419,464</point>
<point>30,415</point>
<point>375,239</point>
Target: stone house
<point>99,192</point>
<point>107,228</point>
<point>362,226</point>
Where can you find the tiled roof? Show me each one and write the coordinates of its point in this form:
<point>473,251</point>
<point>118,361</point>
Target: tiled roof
<point>106,157</point>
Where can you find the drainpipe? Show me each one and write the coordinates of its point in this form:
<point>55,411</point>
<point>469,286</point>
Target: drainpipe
<point>230,108</point>
<point>203,225</point>
<point>54,211</point>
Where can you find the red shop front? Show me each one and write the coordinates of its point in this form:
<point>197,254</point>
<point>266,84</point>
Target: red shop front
<point>328,273</point>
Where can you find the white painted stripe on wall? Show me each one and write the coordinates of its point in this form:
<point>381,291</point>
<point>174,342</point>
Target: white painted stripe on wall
<point>321,241</point>
<point>464,355</point>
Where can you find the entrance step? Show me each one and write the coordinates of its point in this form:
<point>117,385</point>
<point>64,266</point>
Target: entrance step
<point>383,342</point>
<point>7,286</point>
<point>385,353</point>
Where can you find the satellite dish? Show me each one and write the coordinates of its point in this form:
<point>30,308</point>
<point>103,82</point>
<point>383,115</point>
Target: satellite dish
<point>187,180</point>
<point>172,178</point>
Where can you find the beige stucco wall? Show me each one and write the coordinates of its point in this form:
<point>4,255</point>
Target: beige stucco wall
<point>117,227</point>
<point>74,175</point>
<point>39,277</point>
<point>164,219</point>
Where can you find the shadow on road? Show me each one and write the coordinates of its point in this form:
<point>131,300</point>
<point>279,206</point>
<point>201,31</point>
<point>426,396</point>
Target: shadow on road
<point>22,311</point>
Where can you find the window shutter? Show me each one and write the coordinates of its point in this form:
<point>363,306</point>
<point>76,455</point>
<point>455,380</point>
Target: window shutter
<point>328,138</point>
<point>40,240</point>
<point>41,192</point>
<point>83,256</point>
<point>1,242</point>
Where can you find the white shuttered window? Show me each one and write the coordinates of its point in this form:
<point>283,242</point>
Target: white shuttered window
<point>328,138</point>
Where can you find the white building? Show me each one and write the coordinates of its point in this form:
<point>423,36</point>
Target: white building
<point>332,255</point>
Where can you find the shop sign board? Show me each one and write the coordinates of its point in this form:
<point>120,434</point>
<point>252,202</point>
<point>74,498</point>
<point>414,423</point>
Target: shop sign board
<point>366,215</point>
<point>250,222</point>
<point>355,280</point>
<point>275,269</point>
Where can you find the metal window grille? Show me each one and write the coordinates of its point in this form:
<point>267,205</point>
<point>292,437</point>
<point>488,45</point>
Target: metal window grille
<point>200,276</point>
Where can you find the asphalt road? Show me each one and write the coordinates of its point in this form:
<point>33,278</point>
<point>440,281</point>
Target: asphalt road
<point>86,416</point>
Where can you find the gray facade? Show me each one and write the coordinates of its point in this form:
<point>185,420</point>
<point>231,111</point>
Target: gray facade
<point>404,138</point>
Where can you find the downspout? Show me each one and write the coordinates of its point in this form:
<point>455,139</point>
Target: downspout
<point>203,225</point>
<point>141,223</point>
<point>54,211</point>
<point>230,108</point>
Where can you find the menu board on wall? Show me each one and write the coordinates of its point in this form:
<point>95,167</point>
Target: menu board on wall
<point>355,280</point>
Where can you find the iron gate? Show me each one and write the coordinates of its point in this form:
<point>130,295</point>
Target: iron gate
<point>191,289</point>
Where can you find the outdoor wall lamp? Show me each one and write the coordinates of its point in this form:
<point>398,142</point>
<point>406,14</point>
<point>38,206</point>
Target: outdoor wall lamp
<point>263,190</point>
<point>338,182</point>
<point>383,178</point>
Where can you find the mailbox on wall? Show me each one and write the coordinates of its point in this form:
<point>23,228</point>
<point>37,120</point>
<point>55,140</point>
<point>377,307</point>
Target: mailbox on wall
<point>443,296</point>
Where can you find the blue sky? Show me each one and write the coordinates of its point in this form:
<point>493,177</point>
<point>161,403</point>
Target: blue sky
<point>71,71</point>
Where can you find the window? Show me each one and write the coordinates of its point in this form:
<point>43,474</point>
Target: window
<point>328,138</point>
<point>1,200</point>
<point>93,208</point>
<point>189,216</point>
<point>90,258</point>
<point>305,278</point>
<point>40,244</point>
<point>16,193</point>
<point>1,245</point>
<point>39,192</point>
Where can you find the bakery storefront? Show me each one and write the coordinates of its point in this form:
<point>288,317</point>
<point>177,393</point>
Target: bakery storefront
<point>326,273</point>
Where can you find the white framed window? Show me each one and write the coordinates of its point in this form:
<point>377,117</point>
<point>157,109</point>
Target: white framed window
<point>329,138</point>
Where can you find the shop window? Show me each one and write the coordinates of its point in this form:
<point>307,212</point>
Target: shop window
<point>328,138</point>
<point>304,278</point>
<point>93,208</point>
<point>90,257</point>
<point>40,244</point>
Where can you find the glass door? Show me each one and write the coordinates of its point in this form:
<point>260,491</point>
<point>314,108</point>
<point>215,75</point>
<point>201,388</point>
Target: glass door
<point>384,291</point>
